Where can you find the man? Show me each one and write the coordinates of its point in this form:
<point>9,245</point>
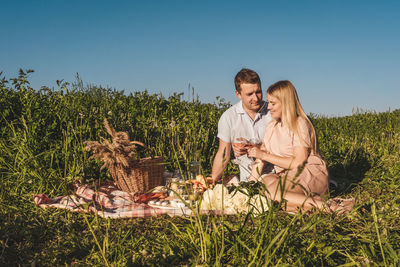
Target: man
<point>242,125</point>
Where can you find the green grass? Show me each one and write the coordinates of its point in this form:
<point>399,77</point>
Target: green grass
<point>41,151</point>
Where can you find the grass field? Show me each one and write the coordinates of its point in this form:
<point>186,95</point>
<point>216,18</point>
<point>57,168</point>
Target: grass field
<point>41,151</point>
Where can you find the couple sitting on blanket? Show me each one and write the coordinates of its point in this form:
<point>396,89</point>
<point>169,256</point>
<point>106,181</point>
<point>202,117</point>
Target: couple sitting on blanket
<point>275,133</point>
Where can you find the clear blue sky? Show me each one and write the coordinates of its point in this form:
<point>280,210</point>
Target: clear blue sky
<point>339,54</point>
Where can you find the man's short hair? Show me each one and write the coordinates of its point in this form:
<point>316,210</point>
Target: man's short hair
<point>246,76</point>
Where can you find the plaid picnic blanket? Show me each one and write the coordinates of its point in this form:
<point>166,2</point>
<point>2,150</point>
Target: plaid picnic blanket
<point>107,201</point>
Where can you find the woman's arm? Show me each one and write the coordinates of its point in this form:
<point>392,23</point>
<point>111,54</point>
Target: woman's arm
<point>288,163</point>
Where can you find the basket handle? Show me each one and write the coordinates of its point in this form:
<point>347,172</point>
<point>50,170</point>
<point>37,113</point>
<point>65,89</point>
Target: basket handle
<point>143,145</point>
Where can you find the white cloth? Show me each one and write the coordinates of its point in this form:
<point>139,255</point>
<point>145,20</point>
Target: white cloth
<point>235,123</point>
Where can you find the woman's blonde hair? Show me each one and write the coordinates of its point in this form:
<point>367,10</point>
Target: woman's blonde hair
<point>285,92</point>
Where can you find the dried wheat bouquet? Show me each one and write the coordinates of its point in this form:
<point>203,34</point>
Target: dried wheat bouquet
<point>120,152</point>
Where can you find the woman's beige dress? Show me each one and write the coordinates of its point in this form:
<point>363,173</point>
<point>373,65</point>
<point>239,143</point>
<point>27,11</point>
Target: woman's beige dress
<point>280,141</point>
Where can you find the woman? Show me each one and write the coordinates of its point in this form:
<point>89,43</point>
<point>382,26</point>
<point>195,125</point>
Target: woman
<point>290,145</point>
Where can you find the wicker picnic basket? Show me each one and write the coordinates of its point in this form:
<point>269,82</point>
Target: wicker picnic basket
<point>141,175</point>
<point>130,173</point>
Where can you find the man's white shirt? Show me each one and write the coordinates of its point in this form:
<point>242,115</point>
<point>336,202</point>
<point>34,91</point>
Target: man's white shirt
<point>235,123</point>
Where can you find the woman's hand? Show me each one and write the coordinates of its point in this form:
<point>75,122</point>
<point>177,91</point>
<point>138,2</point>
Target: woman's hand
<point>256,152</point>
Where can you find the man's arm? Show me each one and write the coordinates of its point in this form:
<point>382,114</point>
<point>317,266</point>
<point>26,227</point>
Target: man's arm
<point>221,159</point>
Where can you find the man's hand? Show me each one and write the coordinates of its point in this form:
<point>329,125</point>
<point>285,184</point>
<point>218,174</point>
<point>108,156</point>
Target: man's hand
<point>240,148</point>
<point>210,181</point>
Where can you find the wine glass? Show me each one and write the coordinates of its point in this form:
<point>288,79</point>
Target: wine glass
<point>254,142</point>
